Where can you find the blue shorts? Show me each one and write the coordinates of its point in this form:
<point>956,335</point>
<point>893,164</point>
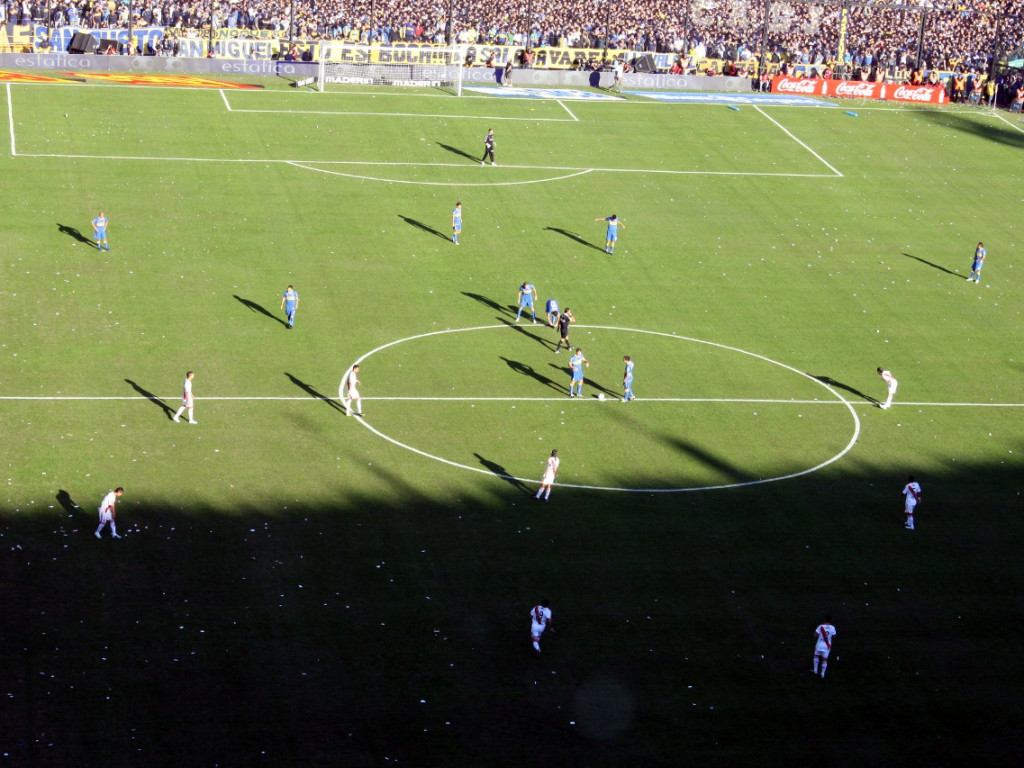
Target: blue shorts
<point>101,234</point>
<point>527,301</point>
<point>628,383</point>
<point>978,264</point>
<point>577,375</point>
<point>612,236</point>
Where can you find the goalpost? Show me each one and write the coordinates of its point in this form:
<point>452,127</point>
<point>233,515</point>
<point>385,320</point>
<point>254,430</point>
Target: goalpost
<point>424,67</point>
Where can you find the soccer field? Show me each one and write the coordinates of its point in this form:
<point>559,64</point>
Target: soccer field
<point>298,587</point>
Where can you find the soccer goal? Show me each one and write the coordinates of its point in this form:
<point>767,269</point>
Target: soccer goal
<point>425,67</point>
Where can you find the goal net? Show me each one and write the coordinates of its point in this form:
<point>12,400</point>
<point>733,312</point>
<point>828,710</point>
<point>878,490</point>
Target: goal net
<point>425,67</point>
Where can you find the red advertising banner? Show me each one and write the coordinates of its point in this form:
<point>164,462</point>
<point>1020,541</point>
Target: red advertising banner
<point>859,89</point>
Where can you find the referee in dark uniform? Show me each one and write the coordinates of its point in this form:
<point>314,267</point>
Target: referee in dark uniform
<point>488,147</point>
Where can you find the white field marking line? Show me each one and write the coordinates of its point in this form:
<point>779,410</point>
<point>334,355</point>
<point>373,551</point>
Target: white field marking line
<point>837,395</point>
<point>562,105</point>
<point>785,130</point>
<point>572,170</point>
<point>440,183</point>
<point>471,399</point>
<point>227,103</point>
<point>10,119</point>
<point>386,114</point>
<point>1009,122</point>
<point>399,114</point>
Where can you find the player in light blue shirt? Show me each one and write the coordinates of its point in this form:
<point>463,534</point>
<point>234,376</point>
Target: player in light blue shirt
<point>627,381</point>
<point>979,262</point>
<point>576,363</point>
<point>99,229</point>
<point>614,222</point>
<point>552,311</point>
<point>289,303</point>
<point>456,223</point>
<point>527,295</point>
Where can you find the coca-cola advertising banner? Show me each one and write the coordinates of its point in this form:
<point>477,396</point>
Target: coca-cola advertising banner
<point>858,89</point>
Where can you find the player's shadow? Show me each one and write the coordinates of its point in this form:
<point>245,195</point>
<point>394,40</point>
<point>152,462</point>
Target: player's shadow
<point>66,502</point>
<point>522,330</point>
<point>500,471</point>
<point>487,302</point>
<point>72,232</point>
<point>152,398</point>
<point>529,370</point>
<point>574,236</point>
<point>459,152</point>
<point>261,309</point>
<point>313,392</point>
<point>839,385</point>
<point>424,227</point>
<point>930,264</point>
<point>587,381</point>
<point>732,472</point>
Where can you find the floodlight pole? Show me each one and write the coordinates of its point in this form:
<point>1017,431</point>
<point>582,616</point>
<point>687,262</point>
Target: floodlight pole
<point>607,27</point>
<point>920,37</point>
<point>211,26</point>
<point>291,23</point>
<point>451,23</point>
<point>764,36</point>
<point>131,18</point>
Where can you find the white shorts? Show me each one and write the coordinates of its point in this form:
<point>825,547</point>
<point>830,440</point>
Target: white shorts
<point>536,630</point>
<point>892,387</point>
<point>548,478</point>
<point>106,515</point>
<point>909,508</point>
<point>822,650</point>
<point>353,394</point>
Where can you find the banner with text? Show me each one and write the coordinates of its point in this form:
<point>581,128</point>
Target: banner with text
<point>859,89</point>
<point>58,38</point>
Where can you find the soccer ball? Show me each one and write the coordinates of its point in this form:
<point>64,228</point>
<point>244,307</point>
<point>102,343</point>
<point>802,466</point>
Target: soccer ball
<point>600,395</point>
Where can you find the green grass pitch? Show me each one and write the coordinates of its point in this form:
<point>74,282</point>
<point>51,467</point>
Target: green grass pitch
<point>296,587</point>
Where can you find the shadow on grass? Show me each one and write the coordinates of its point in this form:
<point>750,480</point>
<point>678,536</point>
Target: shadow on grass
<point>72,232</point>
<point>488,302</point>
<point>529,370</point>
<point>424,227</point>
<point>522,330</point>
<point>459,152</point>
<point>846,387</point>
<point>500,471</point>
<point>261,309</point>
<point>314,631</point>
<point>587,382</point>
<point>575,236</point>
<point>66,502</point>
<point>732,473</point>
<point>313,392</point>
<point>932,265</point>
<point>152,398</point>
<point>978,123</point>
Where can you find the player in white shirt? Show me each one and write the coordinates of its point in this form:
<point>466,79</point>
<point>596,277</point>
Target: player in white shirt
<point>891,384</point>
<point>912,495</point>
<point>350,387</point>
<point>823,645</point>
<point>108,513</point>
<point>550,470</point>
<point>187,401</point>
<point>540,619</point>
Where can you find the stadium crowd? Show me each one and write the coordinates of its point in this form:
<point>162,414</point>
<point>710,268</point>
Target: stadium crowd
<point>958,34</point>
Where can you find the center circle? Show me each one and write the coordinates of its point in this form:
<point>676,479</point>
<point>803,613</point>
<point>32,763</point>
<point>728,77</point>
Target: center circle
<point>508,327</point>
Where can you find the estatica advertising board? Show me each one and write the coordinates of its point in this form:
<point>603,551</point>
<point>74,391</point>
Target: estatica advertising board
<point>859,89</point>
